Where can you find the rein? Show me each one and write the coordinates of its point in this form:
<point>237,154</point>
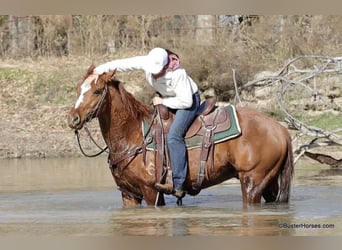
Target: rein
<point>138,149</point>
<point>81,148</point>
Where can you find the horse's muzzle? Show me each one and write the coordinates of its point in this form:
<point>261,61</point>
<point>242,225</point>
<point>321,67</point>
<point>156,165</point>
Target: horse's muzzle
<point>74,121</point>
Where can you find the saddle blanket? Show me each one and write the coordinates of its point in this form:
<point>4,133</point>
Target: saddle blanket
<point>196,141</point>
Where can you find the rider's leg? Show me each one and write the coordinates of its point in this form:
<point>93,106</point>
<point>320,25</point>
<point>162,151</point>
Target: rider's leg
<point>177,147</point>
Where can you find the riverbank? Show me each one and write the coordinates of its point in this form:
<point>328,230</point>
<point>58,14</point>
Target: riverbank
<point>35,99</point>
<point>40,132</point>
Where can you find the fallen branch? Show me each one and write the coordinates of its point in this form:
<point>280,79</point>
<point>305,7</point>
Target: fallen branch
<point>324,159</point>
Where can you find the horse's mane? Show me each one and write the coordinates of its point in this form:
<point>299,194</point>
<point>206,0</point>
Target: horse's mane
<point>136,109</point>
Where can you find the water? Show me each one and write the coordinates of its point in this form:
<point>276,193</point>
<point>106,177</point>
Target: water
<point>78,197</point>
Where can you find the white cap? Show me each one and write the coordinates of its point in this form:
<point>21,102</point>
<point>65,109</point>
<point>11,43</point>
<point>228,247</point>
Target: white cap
<point>156,59</point>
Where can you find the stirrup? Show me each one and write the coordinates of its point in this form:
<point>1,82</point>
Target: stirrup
<point>165,188</point>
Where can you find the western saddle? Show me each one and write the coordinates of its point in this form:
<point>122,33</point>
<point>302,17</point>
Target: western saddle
<point>210,119</point>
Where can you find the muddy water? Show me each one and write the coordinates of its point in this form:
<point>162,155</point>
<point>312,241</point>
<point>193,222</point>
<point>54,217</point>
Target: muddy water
<point>72,197</point>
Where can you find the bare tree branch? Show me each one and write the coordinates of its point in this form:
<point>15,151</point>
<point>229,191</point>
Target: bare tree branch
<point>297,72</point>
<point>236,89</point>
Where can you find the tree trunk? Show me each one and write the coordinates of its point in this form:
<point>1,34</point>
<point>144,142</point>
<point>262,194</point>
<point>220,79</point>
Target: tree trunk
<point>21,43</point>
<point>205,29</point>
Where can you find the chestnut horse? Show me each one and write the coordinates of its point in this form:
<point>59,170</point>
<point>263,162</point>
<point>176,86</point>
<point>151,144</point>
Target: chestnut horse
<point>261,157</point>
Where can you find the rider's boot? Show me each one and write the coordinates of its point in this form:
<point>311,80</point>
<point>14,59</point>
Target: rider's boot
<point>166,187</point>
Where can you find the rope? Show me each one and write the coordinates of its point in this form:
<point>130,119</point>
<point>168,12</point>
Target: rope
<point>83,152</point>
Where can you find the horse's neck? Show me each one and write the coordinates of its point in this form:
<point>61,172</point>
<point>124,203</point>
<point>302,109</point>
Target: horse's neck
<point>119,130</point>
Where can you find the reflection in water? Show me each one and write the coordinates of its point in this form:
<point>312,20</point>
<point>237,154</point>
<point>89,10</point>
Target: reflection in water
<point>54,174</point>
<point>176,221</point>
<point>78,197</point>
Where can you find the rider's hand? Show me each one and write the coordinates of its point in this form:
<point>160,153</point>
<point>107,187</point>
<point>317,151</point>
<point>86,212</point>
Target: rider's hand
<point>103,68</point>
<point>157,100</point>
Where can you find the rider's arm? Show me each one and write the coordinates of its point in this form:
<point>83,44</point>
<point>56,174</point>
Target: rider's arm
<point>183,87</point>
<point>121,65</point>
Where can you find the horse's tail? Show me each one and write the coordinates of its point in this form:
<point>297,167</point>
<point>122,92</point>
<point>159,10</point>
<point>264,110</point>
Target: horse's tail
<point>286,175</point>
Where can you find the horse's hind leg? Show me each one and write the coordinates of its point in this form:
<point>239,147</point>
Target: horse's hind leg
<point>254,186</point>
<point>250,188</point>
<point>271,191</point>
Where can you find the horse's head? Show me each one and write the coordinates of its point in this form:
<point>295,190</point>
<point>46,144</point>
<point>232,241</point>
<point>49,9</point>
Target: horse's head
<point>91,93</point>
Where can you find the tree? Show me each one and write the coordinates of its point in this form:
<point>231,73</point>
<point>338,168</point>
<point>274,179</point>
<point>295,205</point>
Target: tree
<point>20,33</point>
<point>205,29</point>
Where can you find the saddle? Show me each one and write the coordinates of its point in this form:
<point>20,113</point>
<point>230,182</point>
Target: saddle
<point>210,119</point>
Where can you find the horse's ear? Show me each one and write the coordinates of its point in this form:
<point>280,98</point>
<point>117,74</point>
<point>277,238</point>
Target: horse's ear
<point>109,76</point>
<point>90,69</point>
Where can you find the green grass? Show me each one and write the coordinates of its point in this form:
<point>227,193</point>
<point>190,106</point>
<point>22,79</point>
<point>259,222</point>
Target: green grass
<point>13,74</point>
<point>328,121</point>
<point>53,88</point>
<point>41,87</point>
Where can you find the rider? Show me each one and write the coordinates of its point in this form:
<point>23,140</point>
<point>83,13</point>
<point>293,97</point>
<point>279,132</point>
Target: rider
<point>178,92</point>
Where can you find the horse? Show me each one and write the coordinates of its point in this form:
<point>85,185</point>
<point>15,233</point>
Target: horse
<point>260,157</point>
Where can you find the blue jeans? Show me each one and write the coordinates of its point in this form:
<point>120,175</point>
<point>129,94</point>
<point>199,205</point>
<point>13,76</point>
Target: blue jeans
<point>175,140</point>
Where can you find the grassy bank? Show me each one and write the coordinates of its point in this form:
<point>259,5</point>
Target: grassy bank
<point>28,83</point>
<point>36,95</point>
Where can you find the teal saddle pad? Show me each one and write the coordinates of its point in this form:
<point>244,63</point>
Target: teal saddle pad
<point>196,141</point>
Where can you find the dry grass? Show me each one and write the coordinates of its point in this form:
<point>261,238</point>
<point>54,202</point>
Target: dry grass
<point>263,44</point>
<point>38,89</point>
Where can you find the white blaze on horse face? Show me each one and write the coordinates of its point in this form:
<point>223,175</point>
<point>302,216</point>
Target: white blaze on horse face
<point>85,86</point>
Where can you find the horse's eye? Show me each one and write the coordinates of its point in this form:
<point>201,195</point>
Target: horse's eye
<point>97,91</point>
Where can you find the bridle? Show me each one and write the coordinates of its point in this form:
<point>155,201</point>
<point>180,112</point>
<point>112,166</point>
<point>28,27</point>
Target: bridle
<point>89,117</point>
<point>124,154</point>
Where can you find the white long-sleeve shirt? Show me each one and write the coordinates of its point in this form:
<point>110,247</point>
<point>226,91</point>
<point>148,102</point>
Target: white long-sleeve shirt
<point>176,87</point>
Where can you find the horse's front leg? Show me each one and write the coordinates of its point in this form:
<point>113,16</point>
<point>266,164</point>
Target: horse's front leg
<point>152,197</point>
<point>130,200</point>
